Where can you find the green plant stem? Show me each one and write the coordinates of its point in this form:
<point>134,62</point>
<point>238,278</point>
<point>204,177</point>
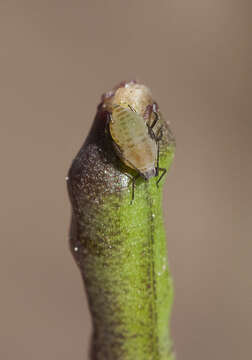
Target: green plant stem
<point>121,251</point>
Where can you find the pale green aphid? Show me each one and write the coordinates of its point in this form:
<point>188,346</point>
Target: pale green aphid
<point>135,141</point>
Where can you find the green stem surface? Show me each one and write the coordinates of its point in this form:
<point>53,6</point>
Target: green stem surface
<point>121,251</point>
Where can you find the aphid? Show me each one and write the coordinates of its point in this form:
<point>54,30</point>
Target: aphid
<point>135,141</point>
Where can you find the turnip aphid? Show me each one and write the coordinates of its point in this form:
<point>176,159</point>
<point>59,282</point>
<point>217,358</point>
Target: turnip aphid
<point>135,142</point>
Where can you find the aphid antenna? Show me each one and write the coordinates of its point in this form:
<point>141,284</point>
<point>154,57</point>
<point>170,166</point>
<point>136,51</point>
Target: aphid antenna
<point>131,108</point>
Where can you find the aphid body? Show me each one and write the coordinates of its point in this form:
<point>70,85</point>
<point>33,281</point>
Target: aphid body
<point>133,141</point>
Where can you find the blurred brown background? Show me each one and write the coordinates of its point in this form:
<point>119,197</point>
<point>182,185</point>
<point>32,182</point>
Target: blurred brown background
<point>57,58</point>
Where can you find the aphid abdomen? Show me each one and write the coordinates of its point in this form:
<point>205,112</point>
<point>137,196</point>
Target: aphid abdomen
<point>130,133</point>
<point>142,156</point>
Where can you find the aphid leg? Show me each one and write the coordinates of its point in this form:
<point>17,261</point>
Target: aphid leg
<point>155,120</point>
<point>162,175</point>
<point>158,138</point>
<point>159,134</point>
<point>133,190</point>
<point>148,111</point>
<point>150,128</point>
<point>157,168</point>
<point>151,132</point>
<point>133,180</point>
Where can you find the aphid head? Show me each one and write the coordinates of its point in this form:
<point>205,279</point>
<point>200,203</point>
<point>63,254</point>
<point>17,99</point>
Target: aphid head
<point>149,173</point>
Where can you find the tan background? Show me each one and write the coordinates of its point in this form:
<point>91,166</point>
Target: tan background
<point>57,57</point>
